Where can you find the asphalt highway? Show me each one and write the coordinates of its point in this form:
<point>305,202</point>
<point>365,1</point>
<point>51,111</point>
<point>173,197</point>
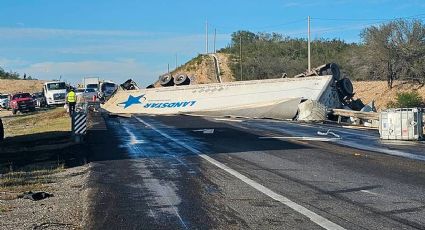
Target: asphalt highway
<point>183,172</point>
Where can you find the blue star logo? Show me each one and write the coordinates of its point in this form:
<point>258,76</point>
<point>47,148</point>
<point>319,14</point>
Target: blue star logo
<point>132,100</point>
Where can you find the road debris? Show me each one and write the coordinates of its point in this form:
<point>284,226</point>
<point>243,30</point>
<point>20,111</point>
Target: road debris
<point>205,131</point>
<point>329,132</point>
<point>35,196</point>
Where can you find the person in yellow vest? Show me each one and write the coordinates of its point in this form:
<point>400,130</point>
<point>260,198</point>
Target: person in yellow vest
<point>71,99</point>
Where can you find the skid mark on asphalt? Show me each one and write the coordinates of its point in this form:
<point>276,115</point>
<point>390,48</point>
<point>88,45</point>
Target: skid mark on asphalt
<point>314,217</point>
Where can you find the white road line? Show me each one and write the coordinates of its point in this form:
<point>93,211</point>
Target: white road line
<point>369,192</point>
<point>302,138</point>
<point>226,119</point>
<point>133,138</point>
<point>316,218</point>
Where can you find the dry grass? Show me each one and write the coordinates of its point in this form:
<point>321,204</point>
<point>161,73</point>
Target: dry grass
<point>4,208</point>
<point>14,183</point>
<point>14,86</point>
<point>54,120</point>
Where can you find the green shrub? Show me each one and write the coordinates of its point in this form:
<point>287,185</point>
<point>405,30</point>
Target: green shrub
<point>406,100</point>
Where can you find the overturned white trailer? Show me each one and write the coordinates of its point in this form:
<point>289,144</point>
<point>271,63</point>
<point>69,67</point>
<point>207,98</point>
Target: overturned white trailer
<point>272,98</point>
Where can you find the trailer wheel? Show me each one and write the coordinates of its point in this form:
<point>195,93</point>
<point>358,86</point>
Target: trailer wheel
<point>166,80</point>
<point>182,80</point>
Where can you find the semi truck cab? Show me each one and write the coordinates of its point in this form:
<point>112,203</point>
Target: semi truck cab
<point>55,93</point>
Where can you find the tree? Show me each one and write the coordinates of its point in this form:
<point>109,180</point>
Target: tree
<point>395,49</point>
<point>271,55</point>
<point>247,38</point>
<point>407,100</point>
<point>8,75</point>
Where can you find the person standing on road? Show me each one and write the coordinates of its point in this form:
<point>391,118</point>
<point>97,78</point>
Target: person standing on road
<point>71,99</point>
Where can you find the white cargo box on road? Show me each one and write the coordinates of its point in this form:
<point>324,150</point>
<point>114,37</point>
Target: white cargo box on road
<point>401,124</point>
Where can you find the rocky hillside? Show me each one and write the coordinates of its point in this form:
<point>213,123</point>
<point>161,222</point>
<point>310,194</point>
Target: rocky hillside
<point>202,69</point>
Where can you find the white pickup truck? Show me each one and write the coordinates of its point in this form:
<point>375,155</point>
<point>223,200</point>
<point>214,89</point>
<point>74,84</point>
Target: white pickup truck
<point>4,101</point>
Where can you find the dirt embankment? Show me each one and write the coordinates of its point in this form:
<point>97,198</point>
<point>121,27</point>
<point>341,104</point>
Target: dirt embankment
<point>378,91</point>
<point>15,86</point>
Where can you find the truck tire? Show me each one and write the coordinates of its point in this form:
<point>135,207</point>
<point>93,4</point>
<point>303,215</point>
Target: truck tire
<point>345,88</point>
<point>331,69</point>
<point>166,80</point>
<point>14,111</point>
<point>182,79</point>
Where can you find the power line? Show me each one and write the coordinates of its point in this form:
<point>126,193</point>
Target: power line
<point>418,16</point>
<point>235,28</point>
<point>345,27</point>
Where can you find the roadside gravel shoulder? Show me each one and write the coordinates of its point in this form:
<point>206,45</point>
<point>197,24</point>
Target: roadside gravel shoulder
<point>66,210</point>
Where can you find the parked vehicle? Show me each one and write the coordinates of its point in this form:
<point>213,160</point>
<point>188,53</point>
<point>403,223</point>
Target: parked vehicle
<point>79,92</point>
<point>91,83</point>
<point>4,101</point>
<point>54,92</point>
<point>22,102</point>
<point>89,93</point>
<point>39,99</point>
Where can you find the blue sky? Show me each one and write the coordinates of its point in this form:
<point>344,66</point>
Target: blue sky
<point>118,40</point>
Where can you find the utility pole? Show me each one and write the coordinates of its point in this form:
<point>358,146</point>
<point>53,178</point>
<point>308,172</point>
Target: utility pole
<point>309,52</point>
<point>168,68</point>
<point>240,54</point>
<point>206,37</point>
<point>215,36</point>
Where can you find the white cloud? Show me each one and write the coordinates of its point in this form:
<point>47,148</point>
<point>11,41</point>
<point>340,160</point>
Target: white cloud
<point>179,44</point>
<point>43,33</point>
<point>303,4</point>
<point>73,72</point>
<point>6,63</point>
<point>96,42</point>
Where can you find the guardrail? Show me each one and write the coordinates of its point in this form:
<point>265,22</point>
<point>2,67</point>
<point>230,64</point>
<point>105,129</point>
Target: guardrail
<point>216,67</point>
<point>356,114</point>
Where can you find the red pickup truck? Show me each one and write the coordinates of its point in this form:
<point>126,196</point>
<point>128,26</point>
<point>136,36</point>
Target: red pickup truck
<point>22,102</point>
